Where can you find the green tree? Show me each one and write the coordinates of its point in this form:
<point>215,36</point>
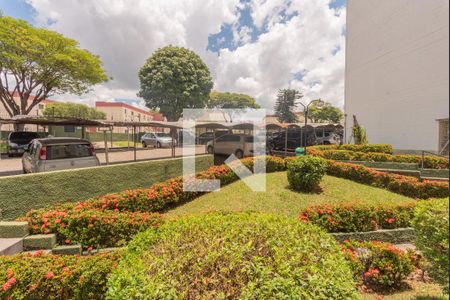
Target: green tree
<point>175,78</point>
<point>326,113</point>
<point>231,100</point>
<point>36,63</point>
<point>73,110</point>
<point>285,105</point>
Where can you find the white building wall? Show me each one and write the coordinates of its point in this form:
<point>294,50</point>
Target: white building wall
<point>397,70</point>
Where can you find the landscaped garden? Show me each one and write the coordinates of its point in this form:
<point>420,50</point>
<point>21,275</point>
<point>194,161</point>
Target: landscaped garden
<point>256,245</point>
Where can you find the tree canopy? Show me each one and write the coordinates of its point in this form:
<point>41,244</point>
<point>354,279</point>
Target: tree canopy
<point>73,110</point>
<point>285,105</point>
<point>326,113</point>
<point>231,100</point>
<point>36,63</point>
<point>174,78</point>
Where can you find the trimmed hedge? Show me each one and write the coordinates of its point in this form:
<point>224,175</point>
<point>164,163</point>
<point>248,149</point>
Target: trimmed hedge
<point>377,265</point>
<point>430,162</point>
<point>404,185</point>
<point>351,217</point>
<point>92,228</point>
<point>379,148</point>
<point>431,223</point>
<point>41,276</point>
<point>233,256</point>
<point>19,194</point>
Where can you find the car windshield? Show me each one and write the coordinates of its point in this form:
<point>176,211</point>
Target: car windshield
<point>162,134</point>
<point>68,151</point>
<point>23,137</point>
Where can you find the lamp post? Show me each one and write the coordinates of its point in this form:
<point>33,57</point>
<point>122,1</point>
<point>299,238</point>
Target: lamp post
<point>319,105</point>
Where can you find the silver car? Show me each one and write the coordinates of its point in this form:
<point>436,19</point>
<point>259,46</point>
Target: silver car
<point>158,140</point>
<point>327,138</point>
<point>52,154</point>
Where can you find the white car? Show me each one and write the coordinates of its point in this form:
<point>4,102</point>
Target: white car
<point>52,154</point>
<point>241,145</point>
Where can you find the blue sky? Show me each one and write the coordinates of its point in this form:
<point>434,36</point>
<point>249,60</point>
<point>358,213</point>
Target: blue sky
<point>130,33</point>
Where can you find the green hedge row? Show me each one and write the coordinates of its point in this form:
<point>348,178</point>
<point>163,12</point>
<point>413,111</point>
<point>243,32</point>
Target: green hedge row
<point>19,194</point>
<point>378,148</point>
<point>429,162</point>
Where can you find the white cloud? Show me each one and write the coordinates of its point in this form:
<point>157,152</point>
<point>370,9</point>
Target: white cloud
<point>125,33</point>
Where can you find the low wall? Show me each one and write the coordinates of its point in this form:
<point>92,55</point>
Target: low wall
<point>393,236</point>
<point>21,193</point>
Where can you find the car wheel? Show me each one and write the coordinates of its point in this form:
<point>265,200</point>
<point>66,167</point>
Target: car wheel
<point>210,149</point>
<point>158,145</point>
<point>144,145</point>
<point>239,154</point>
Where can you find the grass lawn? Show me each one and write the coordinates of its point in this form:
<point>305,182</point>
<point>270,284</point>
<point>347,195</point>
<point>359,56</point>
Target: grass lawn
<point>279,199</point>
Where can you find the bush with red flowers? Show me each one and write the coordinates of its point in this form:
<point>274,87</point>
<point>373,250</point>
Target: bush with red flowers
<point>351,217</point>
<point>42,276</point>
<point>377,265</point>
<point>90,227</point>
<point>404,185</point>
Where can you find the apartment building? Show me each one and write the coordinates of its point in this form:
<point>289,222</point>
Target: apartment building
<point>397,72</point>
<point>38,110</point>
<point>123,112</point>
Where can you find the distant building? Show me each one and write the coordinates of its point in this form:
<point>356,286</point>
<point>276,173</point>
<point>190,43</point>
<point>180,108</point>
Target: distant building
<point>122,112</point>
<point>38,110</point>
<point>397,72</point>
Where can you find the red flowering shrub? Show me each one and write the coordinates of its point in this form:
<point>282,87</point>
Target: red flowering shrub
<point>429,162</point>
<point>378,265</point>
<point>40,276</point>
<point>356,218</point>
<point>90,227</point>
<point>404,185</point>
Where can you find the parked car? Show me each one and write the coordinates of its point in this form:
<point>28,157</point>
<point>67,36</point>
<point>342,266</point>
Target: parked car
<point>52,154</point>
<point>238,144</point>
<point>294,140</point>
<point>18,141</point>
<point>189,134</point>
<point>327,138</point>
<point>205,137</point>
<point>157,139</point>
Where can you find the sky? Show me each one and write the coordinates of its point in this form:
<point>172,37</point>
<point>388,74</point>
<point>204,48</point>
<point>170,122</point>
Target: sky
<point>254,47</point>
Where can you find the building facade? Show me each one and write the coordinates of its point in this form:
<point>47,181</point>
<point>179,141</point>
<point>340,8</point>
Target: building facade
<point>397,72</point>
<point>38,110</point>
<point>122,112</point>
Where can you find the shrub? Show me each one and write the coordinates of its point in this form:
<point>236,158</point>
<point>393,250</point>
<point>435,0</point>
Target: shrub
<point>41,276</point>
<point>404,185</point>
<point>349,217</point>
<point>379,148</point>
<point>305,173</point>
<point>233,256</point>
<point>378,265</point>
<point>431,224</point>
<point>90,228</point>
<point>430,162</point>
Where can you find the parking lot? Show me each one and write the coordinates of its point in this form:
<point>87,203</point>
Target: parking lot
<point>13,165</point>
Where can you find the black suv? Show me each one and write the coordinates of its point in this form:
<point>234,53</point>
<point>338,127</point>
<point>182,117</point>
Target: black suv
<point>18,141</point>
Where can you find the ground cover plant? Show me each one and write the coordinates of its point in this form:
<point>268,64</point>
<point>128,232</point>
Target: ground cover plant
<point>233,256</point>
<point>44,276</point>
<point>432,223</point>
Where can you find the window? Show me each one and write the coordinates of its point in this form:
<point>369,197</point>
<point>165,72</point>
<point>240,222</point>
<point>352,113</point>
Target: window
<point>69,128</point>
<point>229,138</point>
<point>68,151</point>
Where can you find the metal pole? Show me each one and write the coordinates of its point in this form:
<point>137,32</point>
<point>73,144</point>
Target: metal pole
<point>111,138</point>
<point>423,158</point>
<point>306,124</point>
<point>128,136</point>
<point>106,147</point>
<point>173,131</point>
<point>285,142</point>
<point>82,132</point>
<point>134,142</point>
